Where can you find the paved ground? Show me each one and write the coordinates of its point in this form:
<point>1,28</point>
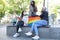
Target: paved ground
<point>3,35</point>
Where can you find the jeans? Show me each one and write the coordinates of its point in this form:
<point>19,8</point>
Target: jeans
<point>37,24</point>
<point>19,24</point>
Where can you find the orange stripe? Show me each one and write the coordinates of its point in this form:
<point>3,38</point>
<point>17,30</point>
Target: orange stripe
<point>33,19</point>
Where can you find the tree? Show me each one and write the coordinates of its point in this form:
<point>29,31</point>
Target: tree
<point>2,6</point>
<point>13,6</point>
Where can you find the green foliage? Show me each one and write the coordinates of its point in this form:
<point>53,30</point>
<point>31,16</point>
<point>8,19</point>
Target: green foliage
<point>2,6</point>
<point>13,6</point>
<point>55,10</point>
<point>58,7</point>
<point>1,15</point>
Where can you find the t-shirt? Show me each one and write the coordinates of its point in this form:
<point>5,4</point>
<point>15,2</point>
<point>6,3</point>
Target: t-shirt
<point>44,15</point>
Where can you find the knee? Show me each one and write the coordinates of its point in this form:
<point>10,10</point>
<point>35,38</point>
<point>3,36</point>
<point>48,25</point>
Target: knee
<point>17,25</point>
<point>35,27</point>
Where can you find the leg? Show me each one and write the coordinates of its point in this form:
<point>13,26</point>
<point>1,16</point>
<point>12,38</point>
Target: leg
<point>32,28</point>
<point>17,28</point>
<point>30,32</point>
<point>19,24</point>
<point>36,30</point>
<point>17,33</point>
<point>38,23</point>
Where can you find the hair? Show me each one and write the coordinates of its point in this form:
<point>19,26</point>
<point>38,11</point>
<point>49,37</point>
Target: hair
<point>22,14</point>
<point>33,3</point>
<point>44,8</point>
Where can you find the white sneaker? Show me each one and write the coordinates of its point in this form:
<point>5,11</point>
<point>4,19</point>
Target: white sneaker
<point>20,30</point>
<point>35,37</point>
<point>16,35</point>
<point>28,34</point>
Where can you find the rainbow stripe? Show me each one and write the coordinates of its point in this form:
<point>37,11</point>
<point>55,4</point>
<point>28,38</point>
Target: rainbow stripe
<point>33,19</point>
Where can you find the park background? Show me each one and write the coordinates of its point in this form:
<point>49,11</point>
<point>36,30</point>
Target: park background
<point>11,8</point>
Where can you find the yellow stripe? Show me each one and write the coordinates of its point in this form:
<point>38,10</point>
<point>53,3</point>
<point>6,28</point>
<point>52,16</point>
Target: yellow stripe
<point>32,21</point>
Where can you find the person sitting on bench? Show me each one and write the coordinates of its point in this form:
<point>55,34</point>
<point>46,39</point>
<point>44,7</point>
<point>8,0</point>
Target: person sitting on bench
<point>19,24</point>
<point>33,9</point>
<point>39,23</point>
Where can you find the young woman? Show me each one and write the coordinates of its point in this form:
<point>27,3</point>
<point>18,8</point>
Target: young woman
<point>33,9</point>
<point>19,24</point>
<point>43,21</point>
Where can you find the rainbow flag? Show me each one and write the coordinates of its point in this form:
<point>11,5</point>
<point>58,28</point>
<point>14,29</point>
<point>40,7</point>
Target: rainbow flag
<point>32,19</point>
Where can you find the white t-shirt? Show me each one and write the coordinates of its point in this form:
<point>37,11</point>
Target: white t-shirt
<point>25,19</point>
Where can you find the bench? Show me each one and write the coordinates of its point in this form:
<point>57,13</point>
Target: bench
<point>44,32</point>
<point>11,30</point>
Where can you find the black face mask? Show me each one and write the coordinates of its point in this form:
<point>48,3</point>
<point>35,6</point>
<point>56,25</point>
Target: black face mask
<point>32,5</point>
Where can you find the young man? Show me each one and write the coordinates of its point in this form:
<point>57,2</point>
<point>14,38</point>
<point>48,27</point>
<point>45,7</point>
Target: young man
<point>19,24</point>
<point>43,21</point>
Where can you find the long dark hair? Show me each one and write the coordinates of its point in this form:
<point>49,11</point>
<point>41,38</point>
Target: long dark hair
<point>33,5</point>
<point>22,14</point>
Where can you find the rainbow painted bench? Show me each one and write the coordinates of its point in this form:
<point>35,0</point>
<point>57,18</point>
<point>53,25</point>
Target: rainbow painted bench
<point>32,19</point>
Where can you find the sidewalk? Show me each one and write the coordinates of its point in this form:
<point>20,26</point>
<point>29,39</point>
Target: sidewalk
<point>3,36</point>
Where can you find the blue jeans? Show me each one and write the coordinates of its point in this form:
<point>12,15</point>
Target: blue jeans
<point>36,24</point>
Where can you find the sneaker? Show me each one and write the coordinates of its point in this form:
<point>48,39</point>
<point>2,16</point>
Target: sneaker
<point>28,34</point>
<point>35,37</point>
<point>20,30</point>
<point>16,35</point>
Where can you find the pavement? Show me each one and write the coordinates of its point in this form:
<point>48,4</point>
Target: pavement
<point>3,35</point>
